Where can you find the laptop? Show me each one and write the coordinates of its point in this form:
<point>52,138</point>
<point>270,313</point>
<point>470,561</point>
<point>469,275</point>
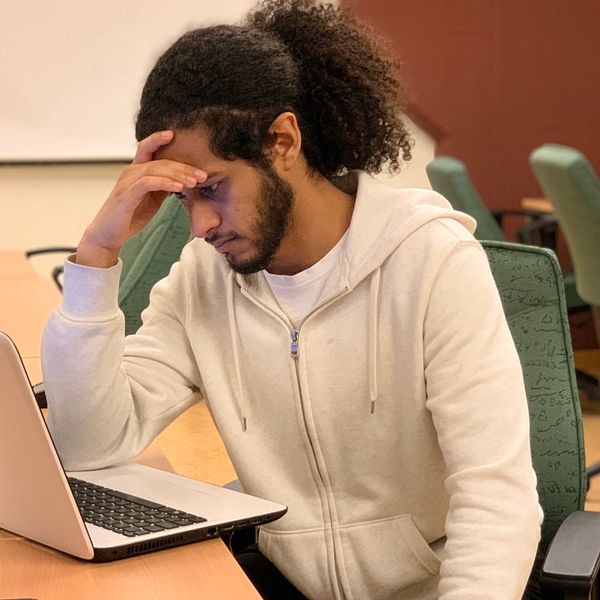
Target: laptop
<point>105,514</point>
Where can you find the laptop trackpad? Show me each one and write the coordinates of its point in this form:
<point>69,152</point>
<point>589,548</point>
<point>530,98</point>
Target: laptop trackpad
<point>155,485</point>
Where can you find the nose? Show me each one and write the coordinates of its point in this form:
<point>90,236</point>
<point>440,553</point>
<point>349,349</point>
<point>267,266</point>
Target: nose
<point>203,219</point>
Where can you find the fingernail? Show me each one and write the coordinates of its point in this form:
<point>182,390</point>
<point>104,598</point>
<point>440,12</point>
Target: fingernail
<point>199,174</point>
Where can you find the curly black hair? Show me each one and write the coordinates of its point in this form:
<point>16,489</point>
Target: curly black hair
<point>314,60</point>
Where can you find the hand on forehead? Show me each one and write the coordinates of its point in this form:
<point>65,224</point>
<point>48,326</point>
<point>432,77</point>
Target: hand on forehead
<point>188,146</point>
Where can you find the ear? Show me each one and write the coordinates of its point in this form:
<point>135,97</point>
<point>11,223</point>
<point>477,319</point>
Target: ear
<point>287,140</point>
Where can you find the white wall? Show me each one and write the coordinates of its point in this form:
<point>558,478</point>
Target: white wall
<point>49,205</point>
<point>72,71</point>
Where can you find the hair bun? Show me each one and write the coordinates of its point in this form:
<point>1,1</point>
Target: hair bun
<point>350,103</point>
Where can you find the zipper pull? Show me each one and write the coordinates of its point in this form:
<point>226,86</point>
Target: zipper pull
<point>294,345</point>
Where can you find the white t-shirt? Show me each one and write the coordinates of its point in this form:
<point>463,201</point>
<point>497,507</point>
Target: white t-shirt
<point>299,294</point>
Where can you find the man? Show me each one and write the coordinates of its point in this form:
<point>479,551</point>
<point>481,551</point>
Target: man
<point>347,336</point>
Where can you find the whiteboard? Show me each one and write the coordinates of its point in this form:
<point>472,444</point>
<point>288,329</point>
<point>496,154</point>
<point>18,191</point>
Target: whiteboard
<point>72,71</point>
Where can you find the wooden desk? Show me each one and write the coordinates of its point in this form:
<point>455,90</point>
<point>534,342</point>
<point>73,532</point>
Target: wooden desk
<point>30,570</point>
<point>201,570</point>
<point>540,205</point>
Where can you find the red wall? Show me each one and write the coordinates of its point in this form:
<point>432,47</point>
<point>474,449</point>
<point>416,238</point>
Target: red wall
<point>497,78</point>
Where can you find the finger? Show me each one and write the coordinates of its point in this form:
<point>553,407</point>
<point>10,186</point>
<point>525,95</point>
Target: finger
<point>138,179</point>
<point>148,146</point>
<point>154,183</point>
<point>131,194</point>
<point>187,174</point>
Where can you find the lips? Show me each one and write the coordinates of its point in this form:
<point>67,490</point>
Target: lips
<point>220,245</point>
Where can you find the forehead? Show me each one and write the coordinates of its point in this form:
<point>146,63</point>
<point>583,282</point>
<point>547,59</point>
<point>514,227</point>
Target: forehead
<point>191,146</point>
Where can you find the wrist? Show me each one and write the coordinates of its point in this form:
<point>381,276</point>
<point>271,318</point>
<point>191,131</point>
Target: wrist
<point>90,255</point>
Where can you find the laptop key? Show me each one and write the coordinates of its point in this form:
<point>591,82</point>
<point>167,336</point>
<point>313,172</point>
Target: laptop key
<point>182,522</point>
<point>194,518</point>
<point>166,524</point>
<point>124,513</point>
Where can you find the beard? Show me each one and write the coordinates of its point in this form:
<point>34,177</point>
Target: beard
<point>274,218</point>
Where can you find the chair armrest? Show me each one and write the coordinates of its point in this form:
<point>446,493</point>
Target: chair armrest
<point>50,250</point>
<point>545,228</point>
<point>540,225</point>
<point>530,214</point>
<point>572,561</point>
<point>57,271</point>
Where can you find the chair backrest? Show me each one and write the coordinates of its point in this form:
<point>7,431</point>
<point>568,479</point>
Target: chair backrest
<point>570,182</point>
<point>449,177</point>
<point>148,256</point>
<point>530,284</point>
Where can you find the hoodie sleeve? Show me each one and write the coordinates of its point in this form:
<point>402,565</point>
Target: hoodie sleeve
<point>476,395</point>
<point>109,396</point>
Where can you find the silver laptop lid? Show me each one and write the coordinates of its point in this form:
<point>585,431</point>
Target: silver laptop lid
<point>35,498</point>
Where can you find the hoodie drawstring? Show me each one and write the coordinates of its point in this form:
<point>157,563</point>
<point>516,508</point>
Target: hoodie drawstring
<point>373,317</point>
<point>235,340</point>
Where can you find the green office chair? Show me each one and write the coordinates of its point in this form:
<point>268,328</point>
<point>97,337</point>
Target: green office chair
<point>570,182</point>
<point>148,256</point>
<point>530,285</point>
<point>449,177</point>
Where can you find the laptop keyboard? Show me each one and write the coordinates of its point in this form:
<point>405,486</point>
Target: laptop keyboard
<point>125,514</point>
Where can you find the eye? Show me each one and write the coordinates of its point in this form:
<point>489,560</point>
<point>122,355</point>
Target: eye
<point>208,190</point>
<point>200,191</point>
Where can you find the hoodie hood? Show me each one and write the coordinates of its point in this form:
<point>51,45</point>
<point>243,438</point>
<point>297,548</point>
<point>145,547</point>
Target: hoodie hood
<point>384,217</point>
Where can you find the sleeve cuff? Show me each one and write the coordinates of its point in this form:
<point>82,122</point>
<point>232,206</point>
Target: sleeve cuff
<point>89,292</point>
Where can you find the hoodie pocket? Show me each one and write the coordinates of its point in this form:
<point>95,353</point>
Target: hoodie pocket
<point>302,557</point>
<point>388,558</point>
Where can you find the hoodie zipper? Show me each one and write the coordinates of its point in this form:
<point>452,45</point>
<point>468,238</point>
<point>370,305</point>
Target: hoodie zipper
<point>319,476</point>
<point>294,344</point>
<point>294,354</point>
<point>327,515</point>
<point>295,333</point>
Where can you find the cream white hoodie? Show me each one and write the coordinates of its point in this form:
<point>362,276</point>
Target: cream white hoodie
<point>393,422</point>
